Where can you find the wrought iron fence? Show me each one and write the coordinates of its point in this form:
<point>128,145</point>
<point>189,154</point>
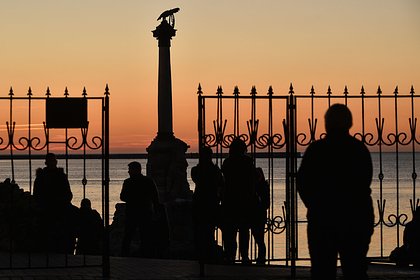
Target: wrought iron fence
<point>25,138</point>
<point>278,128</point>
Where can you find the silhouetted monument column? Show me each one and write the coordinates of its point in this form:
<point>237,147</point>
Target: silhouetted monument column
<point>167,163</point>
<point>166,160</point>
<point>164,33</point>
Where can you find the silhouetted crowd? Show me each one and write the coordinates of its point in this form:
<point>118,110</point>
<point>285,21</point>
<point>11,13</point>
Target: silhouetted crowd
<point>333,182</point>
<point>47,221</point>
<point>234,199</point>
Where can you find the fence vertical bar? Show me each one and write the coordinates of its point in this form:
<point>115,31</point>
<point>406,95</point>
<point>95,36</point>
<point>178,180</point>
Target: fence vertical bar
<point>379,124</point>
<point>270,172</point>
<point>413,125</point>
<point>200,126</point>
<point>291,174</point>
<point>105,256</point>
<point>29,153</point>
<point>397,165</point>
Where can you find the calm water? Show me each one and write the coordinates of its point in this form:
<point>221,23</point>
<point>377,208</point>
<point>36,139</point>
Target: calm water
<point>396,193</point>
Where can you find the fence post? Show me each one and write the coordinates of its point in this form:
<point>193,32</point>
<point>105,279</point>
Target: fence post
<point>291,176</point>
<point>106,272</point>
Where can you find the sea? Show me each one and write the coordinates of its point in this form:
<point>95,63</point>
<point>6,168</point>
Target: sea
<point>395,194</point>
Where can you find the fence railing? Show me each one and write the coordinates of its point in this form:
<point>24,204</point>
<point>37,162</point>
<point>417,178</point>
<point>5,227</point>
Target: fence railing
<point>277,129</point>
<point>25,136</point>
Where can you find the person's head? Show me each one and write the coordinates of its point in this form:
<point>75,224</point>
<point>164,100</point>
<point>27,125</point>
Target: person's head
<point>206,154</point>
<point>338,119</point>
<point>85,204</point>
<point>50,160</point>
<point>237,147</point>
<point>134,168</point>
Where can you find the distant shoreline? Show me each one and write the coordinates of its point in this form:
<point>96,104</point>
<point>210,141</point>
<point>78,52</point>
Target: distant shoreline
<point>123,156</point>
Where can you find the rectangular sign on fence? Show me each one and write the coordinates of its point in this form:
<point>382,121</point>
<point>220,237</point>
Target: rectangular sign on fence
<point>66,112</point>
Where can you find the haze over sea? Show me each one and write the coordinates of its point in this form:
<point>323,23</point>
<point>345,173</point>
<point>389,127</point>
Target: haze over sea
<point>118,173</point>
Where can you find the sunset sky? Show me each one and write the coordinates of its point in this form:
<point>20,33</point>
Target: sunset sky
<point>92,43</point>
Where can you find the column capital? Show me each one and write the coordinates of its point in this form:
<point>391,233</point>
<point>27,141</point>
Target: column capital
<point>164,33</point>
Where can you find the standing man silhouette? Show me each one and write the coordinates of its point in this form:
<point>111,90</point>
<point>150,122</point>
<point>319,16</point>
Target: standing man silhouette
<point>334,184</point>
<point>238,200</point>
<point>209,182</point>
<point>142,200</point>
<point>58,217</point>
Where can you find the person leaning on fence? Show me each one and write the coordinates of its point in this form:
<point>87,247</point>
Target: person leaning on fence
<point>58,217</point>
<point>141,197</point>
<point>333,182</point>
<point>262,189</point>
<point>208,181</point>
<point>238,200</point>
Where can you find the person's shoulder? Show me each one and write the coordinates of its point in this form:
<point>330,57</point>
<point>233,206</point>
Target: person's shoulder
<point>316,145</point>
<point>127,181</point>
<point>39,172</point>
<point>358,144</point>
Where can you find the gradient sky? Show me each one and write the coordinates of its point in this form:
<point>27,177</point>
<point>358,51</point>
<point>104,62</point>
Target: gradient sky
<point>90,43</point>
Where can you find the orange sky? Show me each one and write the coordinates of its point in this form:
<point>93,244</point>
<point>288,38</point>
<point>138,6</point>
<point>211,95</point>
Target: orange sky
<point>90,43</point>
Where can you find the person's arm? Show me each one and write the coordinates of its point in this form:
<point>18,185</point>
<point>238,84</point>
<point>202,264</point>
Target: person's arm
<point>303,177</point>
<point>194,173</point>
<point>124,192</point>
<point>68,193</point>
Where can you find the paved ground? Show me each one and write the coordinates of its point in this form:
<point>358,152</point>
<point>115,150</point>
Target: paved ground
<point>135,268</point>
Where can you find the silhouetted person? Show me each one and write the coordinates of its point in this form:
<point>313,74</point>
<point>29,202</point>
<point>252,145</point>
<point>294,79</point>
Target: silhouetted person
<point>90,232</point>
<point>53,196</point>
<point>208,181</point>
<point>238,200</point>
<point>141,197</point>
<point>51,187</point>
<point>262,189</point>
<point>334,184</point>
<point>409,252</point>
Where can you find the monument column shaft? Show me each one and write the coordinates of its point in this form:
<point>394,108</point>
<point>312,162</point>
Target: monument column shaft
<point>165,123</point>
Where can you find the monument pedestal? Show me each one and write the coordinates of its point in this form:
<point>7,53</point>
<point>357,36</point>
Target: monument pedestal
<point>167,165</point>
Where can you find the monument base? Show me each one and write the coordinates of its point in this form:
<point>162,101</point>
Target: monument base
<point>167,165</point>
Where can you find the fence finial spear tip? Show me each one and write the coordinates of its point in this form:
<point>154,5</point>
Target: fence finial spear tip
<point>362,91</point>
<point>291,89</point>
<point>329,90</point>
<point>312,90</point>
<point>84,93</point>
<point>11,91</point>
<point>345,90</point>
<point>379,90</point>
<point>107,90</point>
<point>253,90</point>
<point>48,93</point>
<point>199,92</point>
<point>29,91</point>
<point>66,92</point>
<point>412,90</point>
<point>236,90</point>
<point>270,91</point>
<point>396,90</point>
<point>219,90</point>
